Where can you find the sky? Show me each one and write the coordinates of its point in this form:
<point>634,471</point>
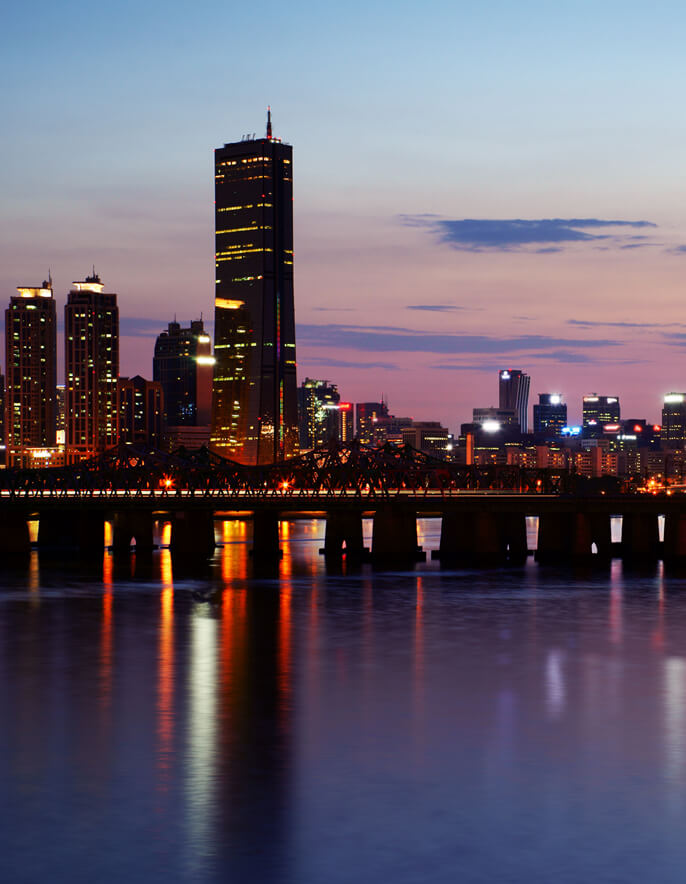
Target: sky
<point>477,186</point>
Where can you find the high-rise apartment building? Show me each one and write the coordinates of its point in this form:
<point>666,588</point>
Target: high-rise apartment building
<point>140,411</point>
<point>598,411</point>
<point>183,364</point>
<point>550,414</point>
<point>513,394</point>
<point>91,336</point>
<point>254,409</point>
<point>674,420</point>
<point>30,352</point>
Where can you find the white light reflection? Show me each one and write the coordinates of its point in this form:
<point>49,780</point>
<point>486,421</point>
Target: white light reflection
<point>202,734</point>
<point>556,692</point>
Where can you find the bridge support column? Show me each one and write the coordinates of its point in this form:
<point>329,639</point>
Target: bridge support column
<point>72,529</point>
<point>14,534</point>
<point>344,528</point>
<point>513,527</point>
<point>128,525</point>
<point>265,541</point>
<point>192,533</point>
<point>640,536</point>
<point>601,534</point>
<point>394,535</point>
<point>675,537</point>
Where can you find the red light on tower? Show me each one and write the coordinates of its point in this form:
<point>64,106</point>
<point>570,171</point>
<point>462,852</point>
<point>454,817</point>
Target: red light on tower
<point>656,428</point>
<point>638,428</point>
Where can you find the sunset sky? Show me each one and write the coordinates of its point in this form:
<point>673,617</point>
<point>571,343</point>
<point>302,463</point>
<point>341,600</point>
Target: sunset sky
<point>477,186</point>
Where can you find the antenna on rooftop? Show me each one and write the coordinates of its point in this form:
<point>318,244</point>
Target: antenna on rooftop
<point>269,122</point>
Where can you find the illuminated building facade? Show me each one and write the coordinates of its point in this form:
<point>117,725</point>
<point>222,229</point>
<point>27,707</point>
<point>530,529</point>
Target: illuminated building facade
<point>367,417</point>
<point>140,410</point>
<point>183,364</point>
<point>513,394</point>
<point>598,411</point>
<point>30,353</point>
<point>550,414</point>
<point>91,335</point>
<point>254,406</point>
<point>318,406</point>
<point>674,420</point>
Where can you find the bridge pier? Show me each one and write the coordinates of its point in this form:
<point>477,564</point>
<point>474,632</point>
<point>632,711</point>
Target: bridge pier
<point>265,540</point>
<point>640,536</point>
<point>514,539</point>
<point>675,537</point>
<point>14,534</point>
<point>344,528</point>
<point>192,533</point>
<point>394,535</point>
<point>80,529</point>
<point>472,538</point>
<point>128,525</point>
<point>564,536</point>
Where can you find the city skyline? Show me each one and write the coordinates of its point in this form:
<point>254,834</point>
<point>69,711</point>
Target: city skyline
<point>413,265</point>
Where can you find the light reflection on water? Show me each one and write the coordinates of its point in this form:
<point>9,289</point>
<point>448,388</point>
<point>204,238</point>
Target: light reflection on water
<point>167,721</point>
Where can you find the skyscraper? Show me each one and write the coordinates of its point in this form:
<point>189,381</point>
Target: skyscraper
<point>674,420</point>
<point>30,351</point>
<point>550,414</point>
<point>91,338</point>
<point>598,411</point>
<point>513,391</point>
<point>317,412</point>
<point>183,365</point>
<point>139,407</point>
<point>254,409</point>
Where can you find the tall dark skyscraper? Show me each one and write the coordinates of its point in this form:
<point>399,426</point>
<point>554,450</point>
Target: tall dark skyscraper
<point>550,414</point>
<point>254,405</point>
<point>513,390</point>
<point>598,411</point>
<point>30,350</point>
<point>91,362</point>
<point>183,365</point>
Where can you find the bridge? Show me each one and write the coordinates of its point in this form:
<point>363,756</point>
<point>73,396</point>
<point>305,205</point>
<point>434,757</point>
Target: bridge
<point>483,509</point>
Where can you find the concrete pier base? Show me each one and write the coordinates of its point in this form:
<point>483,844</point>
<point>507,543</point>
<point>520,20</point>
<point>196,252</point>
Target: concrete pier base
<point>265,542</point>
<point>640,537</point>
<point>192,533</point>
<point>394,536</point>
<point>674,546</point>
<point>77,530</point>
<point>129,525</point>
<point>344,534</point>
<point>570,536</point>
<point>14,534</point>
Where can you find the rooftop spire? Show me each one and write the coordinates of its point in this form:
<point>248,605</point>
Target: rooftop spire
<point>269,122</point>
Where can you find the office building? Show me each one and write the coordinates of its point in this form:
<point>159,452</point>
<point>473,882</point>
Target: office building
<point>140,411</point>
<point>597,412</point>
<point>367,416</point>
<point>318,412</point>
<point>550,414</point>
<point>513,394</point>
<point>427,436</point>
<point>674,420</point>
<point>91,336</point>
<point>488,418</point>
<point>30,353</point>
<point>254,406</point>
<point>183,364</point>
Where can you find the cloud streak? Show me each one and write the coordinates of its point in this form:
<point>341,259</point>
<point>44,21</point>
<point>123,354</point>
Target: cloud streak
<point>389,339</point>
<point>546,235</point>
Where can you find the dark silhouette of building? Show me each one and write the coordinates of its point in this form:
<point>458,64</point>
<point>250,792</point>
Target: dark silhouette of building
<point>513,393</point>
<point>254,408</point>
<point>140,410</point>
<point>91,334</point>
<point>183,364</point>
<point>550,414</point>
<point>30,353</point>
